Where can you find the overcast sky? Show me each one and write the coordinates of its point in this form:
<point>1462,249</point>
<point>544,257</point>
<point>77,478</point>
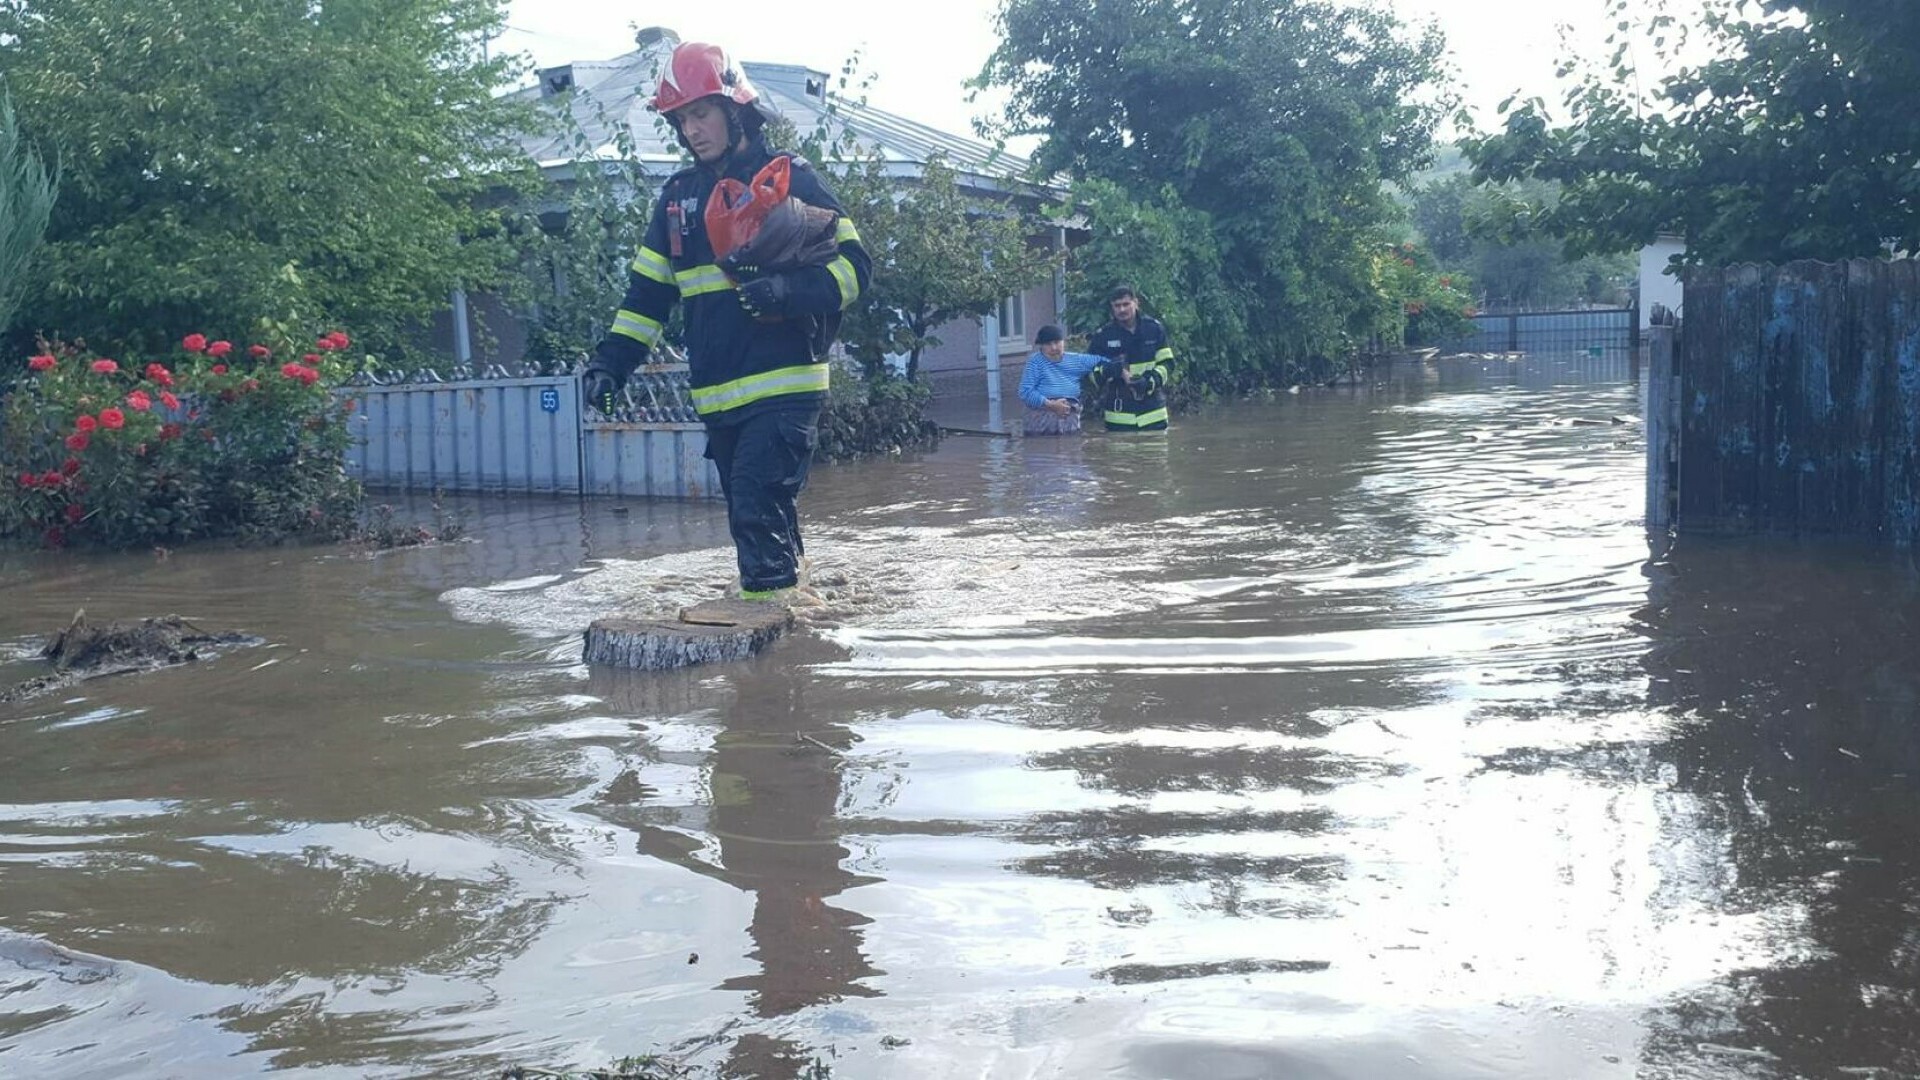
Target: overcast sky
<point>921,52</point>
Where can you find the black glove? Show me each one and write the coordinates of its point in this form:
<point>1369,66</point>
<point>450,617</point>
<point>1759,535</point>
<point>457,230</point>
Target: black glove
<point>764,297</point>
<point>601,389</point>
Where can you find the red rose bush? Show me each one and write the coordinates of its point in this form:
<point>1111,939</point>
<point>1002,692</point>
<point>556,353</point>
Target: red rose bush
<point>213,441</point>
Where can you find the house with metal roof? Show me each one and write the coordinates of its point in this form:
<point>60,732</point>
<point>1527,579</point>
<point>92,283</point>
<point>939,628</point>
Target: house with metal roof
<point>602,95</point>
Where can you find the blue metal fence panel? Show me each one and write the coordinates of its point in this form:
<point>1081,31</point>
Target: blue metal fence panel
<point>485,435</point>
<point>529,435</point>
<point>648,460</point>
<point>1553,331</point>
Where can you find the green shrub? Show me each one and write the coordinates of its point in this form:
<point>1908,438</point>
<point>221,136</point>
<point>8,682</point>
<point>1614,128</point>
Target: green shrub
<point>878,415</point>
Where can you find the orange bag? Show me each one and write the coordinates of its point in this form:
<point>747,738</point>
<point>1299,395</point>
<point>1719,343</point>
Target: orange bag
<point>735,210</point>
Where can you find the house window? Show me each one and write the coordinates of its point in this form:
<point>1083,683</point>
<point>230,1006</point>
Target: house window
<point>1013,318</point>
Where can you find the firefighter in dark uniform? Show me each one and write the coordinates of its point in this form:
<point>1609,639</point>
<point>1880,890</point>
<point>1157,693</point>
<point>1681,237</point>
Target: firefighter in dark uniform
<point>755,342</point>
<point>1133,380</point>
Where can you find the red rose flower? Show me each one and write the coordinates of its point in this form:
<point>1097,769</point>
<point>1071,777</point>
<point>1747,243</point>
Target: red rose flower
<point>194,343</point>
<point>77,441</point>
<point>75,512</point>
<point>352,404</point>
<point>28,480</point>
<point>113,419</point>
<point>325,344</point>
<point>52,478</point>
<point>85,423</point>
<point>340,339</point>
<point>70,466</point>
<point>160,374</point>
<point>311,359</point>
<point>138,401</point>
<point>259,352</point>
<point>219,369</point>
<point>105,367</point>
<point>291,371</point>
<point>167,399</point>
<point>41,363</point>
<point>170,431</point>
<point>250,385</point>
<point>219,349</point>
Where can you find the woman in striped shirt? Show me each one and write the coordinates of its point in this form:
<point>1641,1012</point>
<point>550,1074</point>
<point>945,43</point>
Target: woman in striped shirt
<point>1051,385</point>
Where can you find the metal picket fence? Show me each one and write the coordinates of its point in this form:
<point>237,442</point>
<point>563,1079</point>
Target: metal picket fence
<point>1573,331</point>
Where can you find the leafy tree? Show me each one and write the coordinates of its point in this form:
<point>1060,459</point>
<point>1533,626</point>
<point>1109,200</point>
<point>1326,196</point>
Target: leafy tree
<point>208,145</point>
<point>939,254</point>
<point>1492,234</point>
<point>1799,139</point>
<point>1276,119</point>
<point>577,244</point>
<point>26,200</point>
<point>1167,252</point>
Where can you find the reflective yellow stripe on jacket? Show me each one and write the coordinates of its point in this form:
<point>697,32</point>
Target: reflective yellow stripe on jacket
<point>638,327</point>
<point>804,379</point>
<point>696,280</point>
<point>653,266</point>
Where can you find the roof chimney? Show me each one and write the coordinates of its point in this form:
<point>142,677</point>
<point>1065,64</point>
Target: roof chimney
<point>556,80</point>
<point>654,35</point>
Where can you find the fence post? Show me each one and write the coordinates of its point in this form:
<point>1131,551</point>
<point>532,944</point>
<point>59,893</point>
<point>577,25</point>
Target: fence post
<point>1662,425</point>
<point>1513,333</point>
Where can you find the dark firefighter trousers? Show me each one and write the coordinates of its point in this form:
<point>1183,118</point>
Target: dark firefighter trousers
<point>763,462</point>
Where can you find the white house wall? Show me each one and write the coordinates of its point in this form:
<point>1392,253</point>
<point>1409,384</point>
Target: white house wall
<point>1656,285</point>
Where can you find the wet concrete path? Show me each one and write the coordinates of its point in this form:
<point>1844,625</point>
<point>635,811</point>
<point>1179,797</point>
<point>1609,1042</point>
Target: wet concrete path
<point>1361,733</point>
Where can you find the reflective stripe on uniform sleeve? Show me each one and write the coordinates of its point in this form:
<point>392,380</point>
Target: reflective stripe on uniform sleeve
<point>653,266</point>
<point>702,279</point>
<point>844,231</point>
<point>1165,353</point>
<point>805,379</point>
<point>844,276</point>
<point>637,326</point>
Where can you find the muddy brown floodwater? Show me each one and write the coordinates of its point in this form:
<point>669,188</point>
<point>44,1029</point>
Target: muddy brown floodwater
<point>1362,733</point>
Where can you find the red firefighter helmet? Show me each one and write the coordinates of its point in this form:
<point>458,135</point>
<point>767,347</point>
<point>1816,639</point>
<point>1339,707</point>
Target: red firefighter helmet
<point>700,70</point>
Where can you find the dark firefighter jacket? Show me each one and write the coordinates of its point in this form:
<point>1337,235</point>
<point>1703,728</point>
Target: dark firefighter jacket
<point>737,365</point>
<point>1141,403</point>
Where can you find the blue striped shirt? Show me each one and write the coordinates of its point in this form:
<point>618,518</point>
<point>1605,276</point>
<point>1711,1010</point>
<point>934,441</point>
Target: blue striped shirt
<point>1045,379</point>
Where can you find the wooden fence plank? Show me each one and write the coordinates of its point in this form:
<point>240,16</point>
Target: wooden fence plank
<point>1800,399</point>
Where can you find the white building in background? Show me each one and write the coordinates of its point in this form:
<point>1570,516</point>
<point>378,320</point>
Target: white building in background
<point>1656,285</point>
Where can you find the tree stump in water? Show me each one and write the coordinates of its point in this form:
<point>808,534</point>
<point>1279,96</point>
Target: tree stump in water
<point>714,632</point>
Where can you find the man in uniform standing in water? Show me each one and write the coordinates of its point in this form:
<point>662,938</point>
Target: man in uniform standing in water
<point>1139,362</point>
<point>755,340</point>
